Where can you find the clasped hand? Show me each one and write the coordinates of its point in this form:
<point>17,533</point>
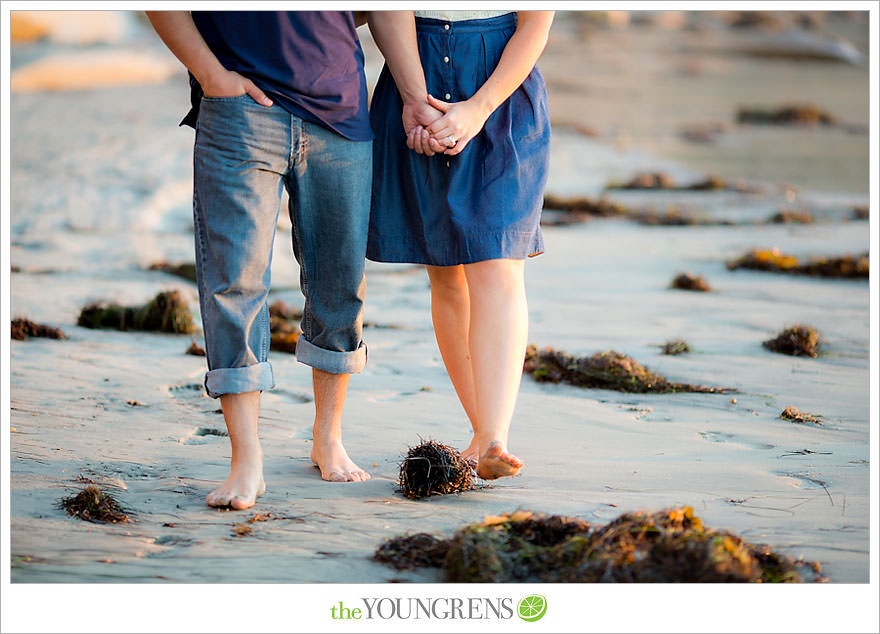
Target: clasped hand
<point>438,127</point>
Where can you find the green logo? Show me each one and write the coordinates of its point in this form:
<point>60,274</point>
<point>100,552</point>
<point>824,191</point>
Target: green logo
<point>532,608</point>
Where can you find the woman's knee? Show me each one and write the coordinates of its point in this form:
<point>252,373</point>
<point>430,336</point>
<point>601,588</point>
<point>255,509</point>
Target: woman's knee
<point>447,280</point>
<point>504,275</point>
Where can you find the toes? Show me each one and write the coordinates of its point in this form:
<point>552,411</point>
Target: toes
<point>240,503</point>
<point>512,460</point>
<point>217,498</point>
<point>345,475</point>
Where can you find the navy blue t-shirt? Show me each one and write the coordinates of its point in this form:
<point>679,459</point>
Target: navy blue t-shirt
<point>308,62</point>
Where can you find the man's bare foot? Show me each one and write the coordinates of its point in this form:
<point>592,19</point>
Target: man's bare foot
<point>335,465</point>
<point>496,462</point>
<point>472,453</point>
<point>241,489</point>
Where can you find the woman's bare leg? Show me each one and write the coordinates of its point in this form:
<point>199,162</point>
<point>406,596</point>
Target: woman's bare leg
<point>497,338</point>
<point>450,311</point>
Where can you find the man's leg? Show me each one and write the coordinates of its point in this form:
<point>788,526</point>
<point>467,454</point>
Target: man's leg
<point>245,481</point>
<point>329,187</point>
<point>239,160</point>
<point>327,449</point>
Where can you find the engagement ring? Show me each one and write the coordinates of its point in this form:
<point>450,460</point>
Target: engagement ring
<point>451,140</point>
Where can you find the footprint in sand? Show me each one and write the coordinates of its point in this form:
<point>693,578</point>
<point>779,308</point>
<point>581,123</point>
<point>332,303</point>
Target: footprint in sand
<point>187,390</point>
<point>304,434</point>
<point>170,545</point>
<point>720,436</point>
<point>806,480</point>
<point>715,436</point>
<point>188,396</point>
<point>202,435</point>
<point>174,540</point>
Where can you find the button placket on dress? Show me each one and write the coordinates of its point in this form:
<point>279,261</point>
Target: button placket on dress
<point>447,67</point>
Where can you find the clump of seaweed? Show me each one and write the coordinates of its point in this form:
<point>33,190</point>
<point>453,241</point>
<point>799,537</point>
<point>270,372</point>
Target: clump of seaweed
<point>793,414</point>
<point>195,349</point>
<point>670,217</point>
<point>413,551</point>
<point>284,327</point>
<point>663,181</point>
<point>280,310</point>
<point>690,282</point>
<point>242,530</point>
<point>710,183</point>
<point>607,370</point>
<point>662,547</point>
<point>186,270</point>
<point>23,329</point>
<point>676,346</point>
<point>566,211</point>
<point>799,341</point>
<point>751,19</point>
<point>806,115</point>
<point>601,207</point>
<point>432,468</point>
<point>847,266</point>
<point>647,180</point>
<point>790,216</point>
<point>94,505</point>
<point>167,312</point>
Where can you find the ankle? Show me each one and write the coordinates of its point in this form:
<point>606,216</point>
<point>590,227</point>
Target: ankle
<point>327,434</point>
<point>484,441</point>
<point>326,443</point>
<point>249,453</point>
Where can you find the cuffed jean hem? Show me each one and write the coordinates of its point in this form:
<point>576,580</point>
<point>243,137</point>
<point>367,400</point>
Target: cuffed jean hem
<point>330,360</point>
<point>250,378</point>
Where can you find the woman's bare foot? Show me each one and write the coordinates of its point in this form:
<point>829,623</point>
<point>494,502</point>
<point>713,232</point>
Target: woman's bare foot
<point>335,465</point>
<point>241,489</point>
<point>496,462</point>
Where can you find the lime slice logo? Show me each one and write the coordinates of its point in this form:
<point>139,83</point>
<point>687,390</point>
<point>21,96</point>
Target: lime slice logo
<point>532,608</point>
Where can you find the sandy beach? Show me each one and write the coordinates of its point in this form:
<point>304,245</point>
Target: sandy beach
<point>101,189</point>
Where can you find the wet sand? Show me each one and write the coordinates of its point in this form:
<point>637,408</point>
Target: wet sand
<point>104,191</point>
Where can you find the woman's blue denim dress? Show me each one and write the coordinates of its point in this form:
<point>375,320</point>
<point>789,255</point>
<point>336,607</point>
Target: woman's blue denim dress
<point>482,204</point>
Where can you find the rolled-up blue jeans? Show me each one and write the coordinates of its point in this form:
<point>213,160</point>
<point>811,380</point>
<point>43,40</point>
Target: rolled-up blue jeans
<point>244,154</point>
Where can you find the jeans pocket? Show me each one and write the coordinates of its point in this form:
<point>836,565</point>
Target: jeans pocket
<point>222,99</point>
